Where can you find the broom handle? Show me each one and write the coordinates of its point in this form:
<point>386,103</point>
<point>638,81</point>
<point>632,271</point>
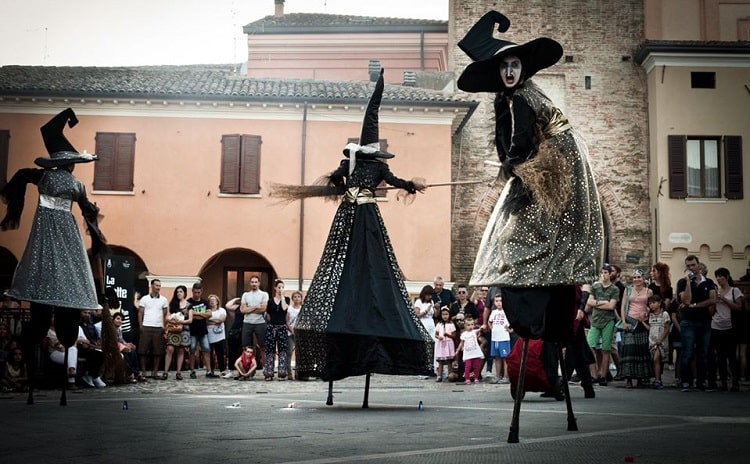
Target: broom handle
<point>440,184</point>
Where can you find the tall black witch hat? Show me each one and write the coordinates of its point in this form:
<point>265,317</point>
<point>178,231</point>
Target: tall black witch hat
<point>369,142</point>
<point>487,52</point>
<point>61,152</point>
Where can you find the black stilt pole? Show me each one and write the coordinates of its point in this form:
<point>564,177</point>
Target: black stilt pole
<point>365,403</point>
<point>514,426</point>
<point>63,395</point>
<point>572,425</point>
<point>329,401</point>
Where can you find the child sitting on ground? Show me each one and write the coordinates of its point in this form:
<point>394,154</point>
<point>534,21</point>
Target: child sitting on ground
<point>14,377</point>
<point>246,364</point>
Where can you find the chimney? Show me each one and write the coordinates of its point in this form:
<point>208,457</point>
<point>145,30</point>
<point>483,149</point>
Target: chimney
<point>410,79</point>
<point>279,10</point>
<point>374,70</point>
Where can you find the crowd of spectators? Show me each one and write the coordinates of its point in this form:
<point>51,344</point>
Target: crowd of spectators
<point>638,328</point>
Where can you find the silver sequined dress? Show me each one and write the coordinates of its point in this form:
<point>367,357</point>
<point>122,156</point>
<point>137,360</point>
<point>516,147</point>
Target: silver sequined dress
<point>357,317</point>
<point>555,237</point>
<point>54,269</point>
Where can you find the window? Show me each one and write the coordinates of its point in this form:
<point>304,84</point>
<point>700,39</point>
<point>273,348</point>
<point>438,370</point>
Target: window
<point>696,166</point>
<point>380,192</point>
<point>240,164</point>
<point>703,80</point>
<point>114,169</point>
<point>4,144</point>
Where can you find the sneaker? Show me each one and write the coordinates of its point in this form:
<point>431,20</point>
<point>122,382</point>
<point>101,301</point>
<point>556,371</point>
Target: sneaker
<point>88,380</point>
<point>685,387</point>
<point>227,375</point>
<point>504,381</point>
<point>99,382</point>
<point>467,382</point>
<point>211,375</point>
<point>657,385</point>
<point>193,375</point>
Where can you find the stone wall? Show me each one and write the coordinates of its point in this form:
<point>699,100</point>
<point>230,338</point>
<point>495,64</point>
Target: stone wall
<point>599,39</point>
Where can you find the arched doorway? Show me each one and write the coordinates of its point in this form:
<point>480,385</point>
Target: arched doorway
<point>141,271</point>
<point>227,273</point>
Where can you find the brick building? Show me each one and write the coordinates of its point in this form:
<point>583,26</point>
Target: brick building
<point>602,91</point>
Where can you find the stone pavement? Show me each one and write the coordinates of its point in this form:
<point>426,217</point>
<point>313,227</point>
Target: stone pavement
<point>256,421</point>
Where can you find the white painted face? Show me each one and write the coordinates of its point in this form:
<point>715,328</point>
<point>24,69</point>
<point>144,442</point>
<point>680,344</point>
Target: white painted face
<point>510,71</point>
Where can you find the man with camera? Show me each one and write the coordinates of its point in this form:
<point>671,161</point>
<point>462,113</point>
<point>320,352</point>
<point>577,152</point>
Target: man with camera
<point>697,295</point>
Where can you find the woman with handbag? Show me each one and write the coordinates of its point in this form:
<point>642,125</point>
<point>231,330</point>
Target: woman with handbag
<point>636,357</point>
<point>217,334</point>
<point>177,331</point>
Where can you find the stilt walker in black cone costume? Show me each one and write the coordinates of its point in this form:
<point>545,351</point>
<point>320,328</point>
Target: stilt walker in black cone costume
<point>54,273</point>
<point>357,317</point>
<point>545,234</point>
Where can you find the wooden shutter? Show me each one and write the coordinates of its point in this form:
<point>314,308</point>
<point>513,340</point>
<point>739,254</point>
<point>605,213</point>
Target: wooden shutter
<point>250,164</point>
<point>230,164</point>
<point>733,167</point>
<point>114,169</point>
<point>4,150</point>
<point>677,166</point>
<point>104,168</point>
<point>124,162</point>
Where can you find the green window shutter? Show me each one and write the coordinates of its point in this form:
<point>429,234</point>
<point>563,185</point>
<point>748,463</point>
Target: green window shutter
<point>677,166</point>
<point>733,167</point>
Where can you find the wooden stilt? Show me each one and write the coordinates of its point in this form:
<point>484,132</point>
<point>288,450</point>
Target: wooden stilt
<point>329,401</point>
<point>572,425</point>
<point>514,422</point>
<point>365,403</point>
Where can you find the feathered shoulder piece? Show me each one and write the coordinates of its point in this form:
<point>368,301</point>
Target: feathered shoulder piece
<point>14,194</point>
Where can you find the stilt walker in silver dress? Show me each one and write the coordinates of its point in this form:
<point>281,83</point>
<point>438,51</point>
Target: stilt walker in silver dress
<point>544,236</point>
<point>54,273</point>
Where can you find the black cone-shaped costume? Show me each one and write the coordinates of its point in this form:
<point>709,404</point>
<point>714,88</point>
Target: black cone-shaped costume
<point>357,317</point>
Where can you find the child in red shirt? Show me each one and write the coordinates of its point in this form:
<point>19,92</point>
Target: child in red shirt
<point>246,364</point>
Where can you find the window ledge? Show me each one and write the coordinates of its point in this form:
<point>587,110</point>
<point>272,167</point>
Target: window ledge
<point>705,200</point>
<point>113,192</point>
<point>240,195</point>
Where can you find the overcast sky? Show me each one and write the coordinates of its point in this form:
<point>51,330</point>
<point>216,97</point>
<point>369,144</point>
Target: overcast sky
<point>154,32</point>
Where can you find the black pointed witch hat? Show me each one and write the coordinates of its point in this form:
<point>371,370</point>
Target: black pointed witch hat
<point>483,75</point>
<point>61,152</point>
<point>369,141</point>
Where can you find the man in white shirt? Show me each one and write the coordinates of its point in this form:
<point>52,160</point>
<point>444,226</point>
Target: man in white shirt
<point>152,312</point>
<point>253,308</point>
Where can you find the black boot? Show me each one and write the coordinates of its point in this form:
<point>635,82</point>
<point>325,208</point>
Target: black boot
<point>588,390</point>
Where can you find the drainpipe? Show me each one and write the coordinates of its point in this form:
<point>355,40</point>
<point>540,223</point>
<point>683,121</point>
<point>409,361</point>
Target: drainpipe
<point>421,51</point>
<point>302,202</point>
